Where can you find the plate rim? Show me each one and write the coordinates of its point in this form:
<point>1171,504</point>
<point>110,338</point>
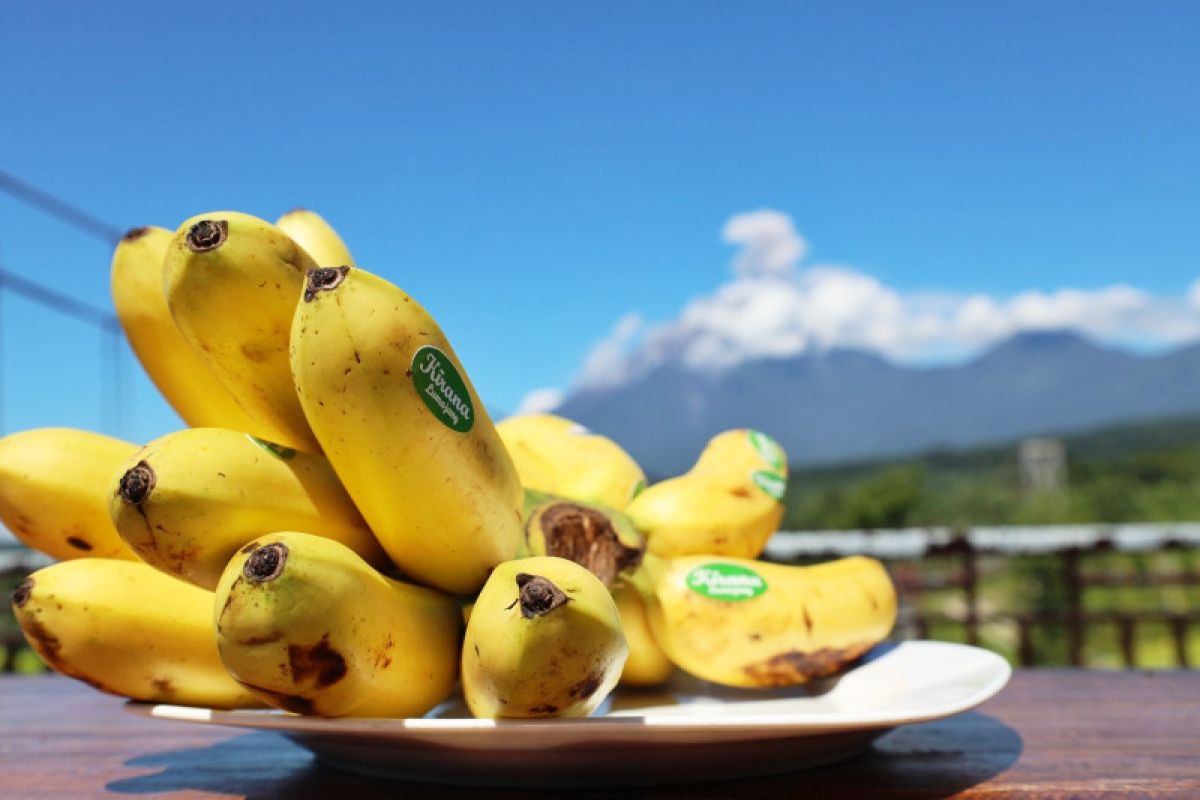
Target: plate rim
<point>789,724</point>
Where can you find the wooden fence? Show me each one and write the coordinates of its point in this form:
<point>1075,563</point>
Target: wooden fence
<point>954,561</point>
<point>954,565</point>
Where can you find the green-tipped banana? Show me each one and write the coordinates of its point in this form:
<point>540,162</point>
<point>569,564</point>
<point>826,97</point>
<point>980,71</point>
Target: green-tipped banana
<point>52,484</point>
<point>544,640</point>
<point>232,283</point>
<point>127,629</point>
<point>555,455</point>
<point>409,438</point>
<point>728,503</point>
<point>600,539</point>
<point>188,500</point>
<point>309,627</point>
<point>318,238</point>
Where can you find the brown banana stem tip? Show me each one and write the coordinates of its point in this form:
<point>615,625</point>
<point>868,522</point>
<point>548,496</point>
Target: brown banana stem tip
<point>207,234</point>
<point>587,537</point>
<point>323,280</point>
<point>133,234</point>
<point>266,563</point>
<point>20,595</point>
<point>538,595</point>
<point>137,484</point>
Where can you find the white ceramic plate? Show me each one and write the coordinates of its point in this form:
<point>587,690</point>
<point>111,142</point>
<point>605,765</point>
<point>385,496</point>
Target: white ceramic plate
<point>688,731</point>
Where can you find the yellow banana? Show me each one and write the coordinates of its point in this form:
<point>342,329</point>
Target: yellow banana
<point>127,629</point>
<point>318,238</point>
<point>600,539</point>
<point>188,500</point>
<point>647,664</point>
<point>749,623</point>
<point>186,382</point>
<point>232,282</point>
<point>52,491</point>
<point>729,503</point>
<point>310,627</point>
<point>405,431</point>
<point>543,640</point>
<point>561,457</point>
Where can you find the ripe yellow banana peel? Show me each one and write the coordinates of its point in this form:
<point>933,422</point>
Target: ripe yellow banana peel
<point>308,626</point>
<point>52,483</point>
<point>544,639</point>
<point>127,629</point>
<point>401,424</point>
<point>181,375</point>
<point>318,238</point>
<point>748,623</point>
<point>552,454</point>
<point>232,283</point>
<point>187,501</point>
<point>728,503</point>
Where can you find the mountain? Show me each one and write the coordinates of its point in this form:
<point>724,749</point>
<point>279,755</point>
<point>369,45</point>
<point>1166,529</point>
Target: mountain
<point>844,405</point>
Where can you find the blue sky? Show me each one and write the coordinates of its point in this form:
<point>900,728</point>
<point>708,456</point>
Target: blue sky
<point>552,180</point>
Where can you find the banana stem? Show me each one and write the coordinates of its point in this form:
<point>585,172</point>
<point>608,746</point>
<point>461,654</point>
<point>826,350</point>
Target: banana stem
<point>538,596</point>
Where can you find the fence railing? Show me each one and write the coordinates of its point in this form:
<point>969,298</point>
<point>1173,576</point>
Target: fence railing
<point>954,565</point>
<point>1038,583</point>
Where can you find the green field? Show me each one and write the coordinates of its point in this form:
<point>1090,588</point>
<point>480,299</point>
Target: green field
<point>1143,472</point>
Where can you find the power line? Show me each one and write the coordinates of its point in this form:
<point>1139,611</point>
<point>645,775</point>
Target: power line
<point>59,209</point>
<point>58,301</point>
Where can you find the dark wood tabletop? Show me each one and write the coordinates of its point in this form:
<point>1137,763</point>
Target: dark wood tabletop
<point>1048,734</point>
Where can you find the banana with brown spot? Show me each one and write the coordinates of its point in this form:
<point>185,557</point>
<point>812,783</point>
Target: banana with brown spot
<point>52,483</point>
<point>728,503</point>
<point>401,424</point>
<point>310,627</point>
<point>188,500</point>
<point>129,630</point>
<point>232,282</point>
<point>749,623</point>
<point>543,640</point>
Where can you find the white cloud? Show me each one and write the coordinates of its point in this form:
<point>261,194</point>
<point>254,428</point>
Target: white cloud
<point>606,364</point>
<point>540,401</point>
<point>769,241</point>
<point>774,307</point>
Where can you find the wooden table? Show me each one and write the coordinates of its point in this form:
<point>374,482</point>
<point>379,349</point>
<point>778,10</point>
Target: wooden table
<point>1050,733</point>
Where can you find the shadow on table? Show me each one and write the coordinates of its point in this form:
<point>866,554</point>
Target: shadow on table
<point>934,759</point>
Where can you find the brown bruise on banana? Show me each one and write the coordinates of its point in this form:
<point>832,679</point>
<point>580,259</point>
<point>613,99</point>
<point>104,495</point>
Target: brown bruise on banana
<point>793,666</point>
<point>207,234</point>
<point>323,280</point>
<point>79,544</point>
<point>538,596</point>
<point>318,663</point>
<point>587,537</point>
<point>288,702</point>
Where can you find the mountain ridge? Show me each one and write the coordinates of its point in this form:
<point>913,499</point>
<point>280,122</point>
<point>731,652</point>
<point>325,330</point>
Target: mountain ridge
<point>842,405</point>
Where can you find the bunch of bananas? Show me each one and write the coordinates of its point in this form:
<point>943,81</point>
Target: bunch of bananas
<point>341,505</point>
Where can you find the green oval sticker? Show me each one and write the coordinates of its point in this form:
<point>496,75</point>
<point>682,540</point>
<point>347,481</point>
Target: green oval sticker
<point>731,582</point>
<point>768,449</point>
<point>442,388</point>
<point>772,483</point>
<point>277,450</point>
